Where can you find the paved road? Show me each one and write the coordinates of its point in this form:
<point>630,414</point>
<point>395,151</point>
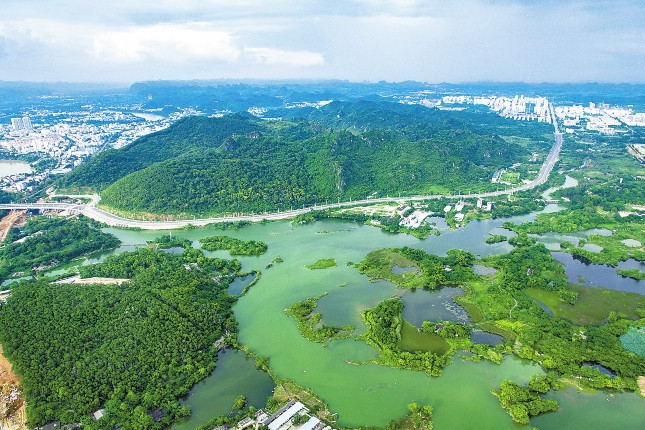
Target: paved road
<point>90,210</point>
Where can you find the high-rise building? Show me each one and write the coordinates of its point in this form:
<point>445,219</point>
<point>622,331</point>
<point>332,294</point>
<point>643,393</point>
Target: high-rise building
<point>16,124</point>
<point>26,123</point>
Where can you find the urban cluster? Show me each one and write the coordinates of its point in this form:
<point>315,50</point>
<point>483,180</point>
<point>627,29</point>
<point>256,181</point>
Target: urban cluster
<point>68,138</point>
<point>518,107</point>
<point>601,117</point>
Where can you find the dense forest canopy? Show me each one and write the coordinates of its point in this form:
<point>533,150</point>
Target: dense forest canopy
<point>49,241</point>
<point>132,349</point>
<point>341,151</point>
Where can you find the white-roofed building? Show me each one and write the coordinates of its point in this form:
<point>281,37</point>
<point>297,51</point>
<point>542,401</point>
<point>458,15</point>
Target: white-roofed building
<point>309,425</point>
<point>283,418</point>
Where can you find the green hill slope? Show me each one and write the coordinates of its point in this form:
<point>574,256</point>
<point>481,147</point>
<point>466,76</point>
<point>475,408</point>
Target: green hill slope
<point>346,150</point>
<point>185,135</point>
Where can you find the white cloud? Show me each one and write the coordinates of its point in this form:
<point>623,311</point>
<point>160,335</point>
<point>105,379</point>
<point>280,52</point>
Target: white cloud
<point>432,40</point>
<point>290,58</point>
<point>168,42</point>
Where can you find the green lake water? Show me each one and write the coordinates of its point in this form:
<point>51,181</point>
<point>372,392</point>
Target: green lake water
<point>414,340</point>
<point>371,395</point>
<point>235,375</point>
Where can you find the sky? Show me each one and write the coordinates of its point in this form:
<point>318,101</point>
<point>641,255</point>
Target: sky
<point>358,40</point>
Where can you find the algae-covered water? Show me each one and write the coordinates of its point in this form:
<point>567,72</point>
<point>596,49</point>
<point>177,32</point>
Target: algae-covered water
<point>235,375</point>
<point>371,395</point>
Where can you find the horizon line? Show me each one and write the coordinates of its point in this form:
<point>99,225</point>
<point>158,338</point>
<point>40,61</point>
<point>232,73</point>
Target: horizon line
<point>116,84</point>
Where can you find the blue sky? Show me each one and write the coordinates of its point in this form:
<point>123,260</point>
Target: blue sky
<point>432,41</point>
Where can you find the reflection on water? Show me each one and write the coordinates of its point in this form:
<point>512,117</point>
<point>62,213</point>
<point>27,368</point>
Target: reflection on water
<point>439,222</point>
<point>235,375</point>
<point>436,305</point>
<point>399,270</point>
<point>480,336</point>
<point>544,307</point>
<point>601,368</point>
<point>240,283</point>
<point>484,270</point>
<point>552,240</point>
<point>580,271</point>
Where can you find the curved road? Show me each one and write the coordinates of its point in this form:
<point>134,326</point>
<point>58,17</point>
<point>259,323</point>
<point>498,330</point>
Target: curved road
<point>91,211</point>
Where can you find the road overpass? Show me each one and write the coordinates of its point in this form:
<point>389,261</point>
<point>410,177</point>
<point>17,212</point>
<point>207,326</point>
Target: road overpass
<point>92,211</point>
<point>43,206</point>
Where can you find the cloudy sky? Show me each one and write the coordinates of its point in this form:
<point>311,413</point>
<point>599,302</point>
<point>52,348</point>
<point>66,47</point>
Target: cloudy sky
<point>432,41</point>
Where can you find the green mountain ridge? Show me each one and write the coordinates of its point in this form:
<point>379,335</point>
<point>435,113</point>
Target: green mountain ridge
<point>238,163</point>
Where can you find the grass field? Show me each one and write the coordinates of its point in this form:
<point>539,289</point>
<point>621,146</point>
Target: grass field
<point>472,309</point>
<point>324,263</point>
<point>511,177</point>
<point>378,265</point>
<point>414,340</point>
<point>593,304</point>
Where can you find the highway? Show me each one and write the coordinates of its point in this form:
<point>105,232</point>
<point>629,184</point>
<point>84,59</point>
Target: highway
<point>92,211</point>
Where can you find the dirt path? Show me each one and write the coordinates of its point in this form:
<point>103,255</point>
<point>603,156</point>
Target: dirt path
<point>510,313</point>
<point>12,402</point>
<point>76,279</point>
<point>7,222</point>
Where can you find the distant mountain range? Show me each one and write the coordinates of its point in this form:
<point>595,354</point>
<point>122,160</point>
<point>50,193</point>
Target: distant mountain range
<point>239,163</point>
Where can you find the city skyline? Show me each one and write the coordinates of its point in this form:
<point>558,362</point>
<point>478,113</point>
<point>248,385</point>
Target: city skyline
<point>475,40</point>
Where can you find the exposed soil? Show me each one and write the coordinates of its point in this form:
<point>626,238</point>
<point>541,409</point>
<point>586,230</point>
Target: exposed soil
<point>12,402</point>
<point>13,218</point>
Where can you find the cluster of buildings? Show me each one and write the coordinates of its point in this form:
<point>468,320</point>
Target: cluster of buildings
<point>71,137</point>
<point>460,205</point>
<point>26,181</point>
<point>292,416</point>
<point>21,124</point>
<point>518,107</point>
<point>75,136</point>
<point>601,118</point>
<point>596,117</point>
<point>459,216</point>
<point>411,218</point>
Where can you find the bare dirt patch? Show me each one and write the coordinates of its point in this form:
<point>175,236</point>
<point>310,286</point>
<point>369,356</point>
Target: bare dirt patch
<point>13,218</point>
<point>12,401</point>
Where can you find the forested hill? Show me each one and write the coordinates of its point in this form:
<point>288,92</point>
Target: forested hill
<point>193,133</point>
<point>344,150</point>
